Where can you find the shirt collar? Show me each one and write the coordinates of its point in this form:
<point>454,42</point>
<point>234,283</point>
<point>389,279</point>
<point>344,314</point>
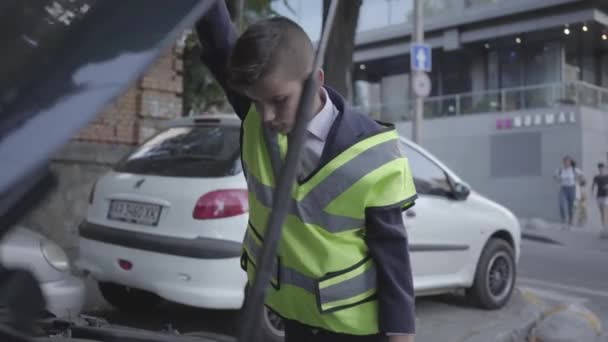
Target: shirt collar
<point>321,123</point>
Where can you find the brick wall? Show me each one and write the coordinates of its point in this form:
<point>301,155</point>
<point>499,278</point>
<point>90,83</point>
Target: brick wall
<point>135,115</point>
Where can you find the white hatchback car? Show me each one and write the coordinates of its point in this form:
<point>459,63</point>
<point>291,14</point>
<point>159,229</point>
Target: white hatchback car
<point>64,293</point>
<point>169,219</point>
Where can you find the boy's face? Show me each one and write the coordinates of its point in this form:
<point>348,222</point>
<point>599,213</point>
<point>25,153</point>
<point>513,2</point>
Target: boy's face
<point>276,98</point>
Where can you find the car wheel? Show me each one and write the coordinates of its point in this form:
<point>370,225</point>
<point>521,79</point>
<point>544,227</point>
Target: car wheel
<point>495,276</point>
<point>271,327</point>
<point>128,299</point>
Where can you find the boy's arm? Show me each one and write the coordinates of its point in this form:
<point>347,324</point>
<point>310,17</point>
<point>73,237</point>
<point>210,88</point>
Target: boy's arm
<point>217,36</point>
<point>387,242</point>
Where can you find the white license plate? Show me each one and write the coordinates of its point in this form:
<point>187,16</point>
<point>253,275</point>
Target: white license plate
<point>134,212</point>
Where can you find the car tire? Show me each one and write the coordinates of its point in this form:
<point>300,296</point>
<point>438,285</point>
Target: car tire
<point>495,276</point>
<point>128,299</point>
<point>271,328</point>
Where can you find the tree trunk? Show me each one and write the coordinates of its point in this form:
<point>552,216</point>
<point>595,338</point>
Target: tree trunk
<point>340,47</point>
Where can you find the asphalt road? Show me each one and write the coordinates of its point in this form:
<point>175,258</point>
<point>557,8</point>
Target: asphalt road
<point>556,273</point>
<point>441,318</point>
<point>569,272</point>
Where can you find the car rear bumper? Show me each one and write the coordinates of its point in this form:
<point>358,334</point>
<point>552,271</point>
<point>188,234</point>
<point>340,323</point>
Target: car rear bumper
<point>65,297</point>
<point>207,283</point>
<point>201,248</point>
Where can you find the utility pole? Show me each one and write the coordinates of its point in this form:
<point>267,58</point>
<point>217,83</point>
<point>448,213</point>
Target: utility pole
<point>416,74</point>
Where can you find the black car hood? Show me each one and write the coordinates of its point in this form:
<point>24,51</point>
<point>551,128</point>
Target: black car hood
<point>62,61</point>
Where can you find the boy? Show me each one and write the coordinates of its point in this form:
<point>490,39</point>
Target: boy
<point>343,271</point>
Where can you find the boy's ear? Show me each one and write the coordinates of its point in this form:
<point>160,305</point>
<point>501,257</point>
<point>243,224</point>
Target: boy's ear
<point>321,76</point>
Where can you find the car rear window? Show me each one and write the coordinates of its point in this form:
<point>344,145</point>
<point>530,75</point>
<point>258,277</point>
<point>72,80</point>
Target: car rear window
<point>200,151</point>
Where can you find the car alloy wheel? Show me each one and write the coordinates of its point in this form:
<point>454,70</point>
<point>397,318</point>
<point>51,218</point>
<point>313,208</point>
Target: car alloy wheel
<point>274,323</point>
<point>494,276</point>
<point>499,276</point>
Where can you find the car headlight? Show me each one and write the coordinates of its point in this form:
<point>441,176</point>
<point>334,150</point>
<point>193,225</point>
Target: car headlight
<point>55,256</point>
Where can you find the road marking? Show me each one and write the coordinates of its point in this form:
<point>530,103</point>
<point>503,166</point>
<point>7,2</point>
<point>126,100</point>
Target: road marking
<point>552,295</point>
<point>569,288</point>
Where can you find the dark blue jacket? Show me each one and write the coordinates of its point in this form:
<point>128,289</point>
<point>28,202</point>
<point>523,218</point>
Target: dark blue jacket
<point>385,232</point>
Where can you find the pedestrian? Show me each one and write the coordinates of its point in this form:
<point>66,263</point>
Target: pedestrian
<point>343,269</point>
<point>581,203</point>
<point>600,184</point>
<point>567,176</point>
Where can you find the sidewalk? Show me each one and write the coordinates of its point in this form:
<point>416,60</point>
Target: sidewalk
<point>583,238</point>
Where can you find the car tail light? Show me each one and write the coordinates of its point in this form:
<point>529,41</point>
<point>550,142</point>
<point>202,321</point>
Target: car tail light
<point>92,193</point>
<point>125,264</point>
<point>221,203</point>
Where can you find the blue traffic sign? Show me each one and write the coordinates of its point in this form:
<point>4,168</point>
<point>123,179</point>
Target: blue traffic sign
<point>421,57</point>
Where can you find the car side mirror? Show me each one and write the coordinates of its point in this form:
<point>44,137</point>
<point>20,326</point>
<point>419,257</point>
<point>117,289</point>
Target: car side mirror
<point>460,192</point>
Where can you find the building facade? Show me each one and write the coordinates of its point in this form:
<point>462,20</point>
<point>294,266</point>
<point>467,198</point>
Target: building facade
<point>516,85</point>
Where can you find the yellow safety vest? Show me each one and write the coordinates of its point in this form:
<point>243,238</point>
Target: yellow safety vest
<point>323,275</point>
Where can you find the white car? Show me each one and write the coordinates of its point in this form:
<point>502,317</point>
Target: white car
<point>63,292</point>
<point>169,220</point>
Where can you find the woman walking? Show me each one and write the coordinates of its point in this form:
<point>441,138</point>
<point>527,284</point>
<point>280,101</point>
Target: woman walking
<point>568,175</point>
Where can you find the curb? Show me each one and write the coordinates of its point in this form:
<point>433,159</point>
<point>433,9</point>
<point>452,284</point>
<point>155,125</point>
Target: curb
<point>539,238</point>
<point>539,310</point>
<point>567,322</point>
<point>513,327</point>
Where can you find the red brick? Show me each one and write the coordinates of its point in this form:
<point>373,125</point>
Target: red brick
<point>156,94</point>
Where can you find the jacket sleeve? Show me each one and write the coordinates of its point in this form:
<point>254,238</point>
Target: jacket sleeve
<point>217,36</point>
<point>387,242</point>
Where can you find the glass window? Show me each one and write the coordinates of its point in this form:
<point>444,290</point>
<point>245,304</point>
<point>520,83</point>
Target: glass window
<point>202,151</point>
<point>429,178</point>
<point>475,3</point>
<point>381,13</point>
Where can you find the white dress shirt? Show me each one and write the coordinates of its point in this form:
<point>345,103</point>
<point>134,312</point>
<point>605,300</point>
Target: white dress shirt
<point>318,130</point>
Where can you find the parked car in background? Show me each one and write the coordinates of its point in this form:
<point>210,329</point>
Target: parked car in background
<point>64,293</point>
<point>168,222</point>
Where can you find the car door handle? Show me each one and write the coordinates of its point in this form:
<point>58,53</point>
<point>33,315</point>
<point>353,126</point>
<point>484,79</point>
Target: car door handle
<point>410,213</point>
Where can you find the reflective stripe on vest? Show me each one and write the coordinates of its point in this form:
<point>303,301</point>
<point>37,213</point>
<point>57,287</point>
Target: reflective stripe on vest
<point>334,291</point>
<point>329,188</point>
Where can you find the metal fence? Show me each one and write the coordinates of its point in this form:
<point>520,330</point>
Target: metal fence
<point>501,100</point>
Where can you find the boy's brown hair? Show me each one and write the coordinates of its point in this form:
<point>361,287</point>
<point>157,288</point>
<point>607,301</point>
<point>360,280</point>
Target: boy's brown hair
<point>269,45</point>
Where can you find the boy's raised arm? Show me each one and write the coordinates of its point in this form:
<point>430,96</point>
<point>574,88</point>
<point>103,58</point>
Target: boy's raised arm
<point>217,36</point>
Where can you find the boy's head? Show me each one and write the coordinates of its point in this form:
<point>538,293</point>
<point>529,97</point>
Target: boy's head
<point>601,168</point>
<point>269,63</point>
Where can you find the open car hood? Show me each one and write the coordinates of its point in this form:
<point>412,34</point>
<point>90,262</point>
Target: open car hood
<point>62,62</point>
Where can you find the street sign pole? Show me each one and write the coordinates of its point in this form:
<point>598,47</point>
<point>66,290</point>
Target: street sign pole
<point>418,38</point>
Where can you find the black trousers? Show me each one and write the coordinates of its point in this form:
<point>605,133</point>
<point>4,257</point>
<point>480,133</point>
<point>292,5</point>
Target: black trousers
<point>297,332</point>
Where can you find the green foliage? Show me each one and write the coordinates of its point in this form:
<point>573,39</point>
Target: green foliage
<point>201,90</point>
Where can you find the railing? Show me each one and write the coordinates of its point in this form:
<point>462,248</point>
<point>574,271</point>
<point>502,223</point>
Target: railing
<point>501,100</point>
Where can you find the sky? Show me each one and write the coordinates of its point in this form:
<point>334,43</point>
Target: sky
<point>373,13</point>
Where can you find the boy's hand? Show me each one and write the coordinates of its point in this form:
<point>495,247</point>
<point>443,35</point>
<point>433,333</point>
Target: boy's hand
<point>401,338</point>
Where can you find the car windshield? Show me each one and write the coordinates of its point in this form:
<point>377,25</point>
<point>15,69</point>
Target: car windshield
<point>199,151</point>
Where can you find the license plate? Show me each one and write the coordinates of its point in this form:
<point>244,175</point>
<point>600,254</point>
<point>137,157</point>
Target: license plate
<point>134,212</point>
